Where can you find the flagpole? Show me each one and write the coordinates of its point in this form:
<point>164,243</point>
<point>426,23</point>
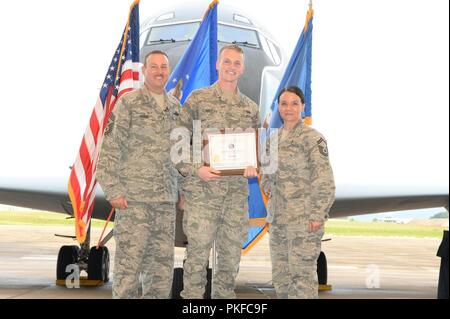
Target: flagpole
<point>125,37</point>
<point>309,15</point>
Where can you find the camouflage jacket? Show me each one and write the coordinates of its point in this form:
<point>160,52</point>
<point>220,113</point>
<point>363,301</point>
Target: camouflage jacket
<point>302,188</point>
<point>216,111</point>
<point>135,156</point>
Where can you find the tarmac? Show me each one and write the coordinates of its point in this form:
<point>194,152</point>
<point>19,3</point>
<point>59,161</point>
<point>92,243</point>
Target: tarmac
<point>358,267</point>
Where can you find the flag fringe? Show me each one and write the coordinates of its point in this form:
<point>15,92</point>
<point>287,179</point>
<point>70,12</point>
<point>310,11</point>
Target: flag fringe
<point>256,240</point>
<point>308,120</point>
<point>309,16</point>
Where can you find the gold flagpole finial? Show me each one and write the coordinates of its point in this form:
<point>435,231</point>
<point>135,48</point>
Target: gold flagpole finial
<point>135,3</point>
<point>214,2</point>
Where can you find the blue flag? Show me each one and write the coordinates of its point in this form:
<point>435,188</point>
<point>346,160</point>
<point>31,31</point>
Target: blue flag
<point>298,72</point>
<point>197,66</point>
<point>257,203</point>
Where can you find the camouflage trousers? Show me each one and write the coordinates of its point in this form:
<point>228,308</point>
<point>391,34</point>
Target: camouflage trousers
<point>225,221</point>
<point>144,235</point>
<point>294,254</point>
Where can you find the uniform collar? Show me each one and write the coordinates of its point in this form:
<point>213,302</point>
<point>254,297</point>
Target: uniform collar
<point>297,128</point>
<point>236,99</point>
<point>146,92</point>
<point>149,98</point>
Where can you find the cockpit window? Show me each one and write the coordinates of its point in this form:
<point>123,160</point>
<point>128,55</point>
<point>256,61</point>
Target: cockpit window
<point>186,32</point>
<point>270,49</point>
<point>236,35</point>
<point>174,32</point>
<point>274,52</point>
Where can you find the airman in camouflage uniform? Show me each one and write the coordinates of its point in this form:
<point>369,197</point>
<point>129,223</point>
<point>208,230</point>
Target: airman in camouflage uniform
<point>301,194</point>
<point>216,206</point>
<point>139,180</point>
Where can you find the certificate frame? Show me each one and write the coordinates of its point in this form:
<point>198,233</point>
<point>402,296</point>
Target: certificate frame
<point>243,146</point>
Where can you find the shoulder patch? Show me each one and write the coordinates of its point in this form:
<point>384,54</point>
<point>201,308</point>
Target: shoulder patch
<point>130,96</point>
<point>110,125</point>
<point>323,149</point>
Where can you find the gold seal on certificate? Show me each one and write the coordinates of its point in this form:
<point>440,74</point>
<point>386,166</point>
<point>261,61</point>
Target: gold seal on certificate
<point>231,153</point>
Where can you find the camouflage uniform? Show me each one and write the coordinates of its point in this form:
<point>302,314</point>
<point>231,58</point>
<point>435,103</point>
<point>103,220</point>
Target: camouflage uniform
<point>302,190</point>
<point>216,210</point>
<point>135,164</point>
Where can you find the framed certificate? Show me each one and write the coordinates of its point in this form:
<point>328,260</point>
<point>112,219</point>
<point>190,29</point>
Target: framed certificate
<point>231,153</point>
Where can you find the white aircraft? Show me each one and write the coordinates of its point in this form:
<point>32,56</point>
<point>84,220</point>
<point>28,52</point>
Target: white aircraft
<point>171,31</point>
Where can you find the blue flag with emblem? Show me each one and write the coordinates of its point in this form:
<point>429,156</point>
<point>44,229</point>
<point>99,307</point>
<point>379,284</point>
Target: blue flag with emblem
<point>197,66</point>
<point>298,72</point>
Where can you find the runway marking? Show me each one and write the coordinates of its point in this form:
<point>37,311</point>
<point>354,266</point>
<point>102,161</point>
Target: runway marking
<point>339,267</point>
<point>431,269</point>
<point>42,257</point>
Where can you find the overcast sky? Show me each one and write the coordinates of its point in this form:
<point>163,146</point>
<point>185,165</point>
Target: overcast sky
<point>379,81</point>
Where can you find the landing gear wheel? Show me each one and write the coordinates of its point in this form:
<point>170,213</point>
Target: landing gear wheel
<point>67,255</point>
<point>322,270</point>
<point>98,264</point>
<point>177,283</point>
<point>207,294</point>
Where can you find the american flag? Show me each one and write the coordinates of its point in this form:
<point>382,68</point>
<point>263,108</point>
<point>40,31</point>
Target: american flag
<point>122,77</point>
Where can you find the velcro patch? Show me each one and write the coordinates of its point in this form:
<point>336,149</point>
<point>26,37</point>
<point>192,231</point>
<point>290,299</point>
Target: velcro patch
<point>110,125</point>
<point>323,149</point>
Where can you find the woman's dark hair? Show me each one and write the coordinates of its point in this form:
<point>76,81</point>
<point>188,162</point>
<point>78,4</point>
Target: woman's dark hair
<point>293,89</point>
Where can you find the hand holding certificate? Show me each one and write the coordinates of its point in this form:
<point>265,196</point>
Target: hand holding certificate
<point>232,153</point>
